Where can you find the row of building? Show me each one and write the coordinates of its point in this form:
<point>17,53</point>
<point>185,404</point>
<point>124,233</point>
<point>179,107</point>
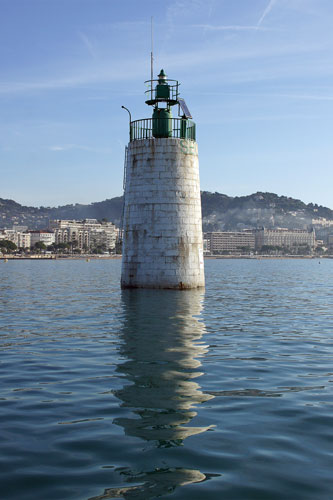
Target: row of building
<point>85,235</point>
<point>89,234</point>
<point>257,239</point>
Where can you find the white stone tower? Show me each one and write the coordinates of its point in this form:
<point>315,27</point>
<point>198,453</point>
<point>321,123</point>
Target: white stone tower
<point>162,227</point>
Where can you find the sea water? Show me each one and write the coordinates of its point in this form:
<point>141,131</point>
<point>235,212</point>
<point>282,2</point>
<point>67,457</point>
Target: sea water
<point>220,393</point>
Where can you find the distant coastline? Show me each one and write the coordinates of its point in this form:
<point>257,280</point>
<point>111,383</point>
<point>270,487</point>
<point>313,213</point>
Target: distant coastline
<point>269,257</point>
<point>117,257</point>
<point>59,257</point>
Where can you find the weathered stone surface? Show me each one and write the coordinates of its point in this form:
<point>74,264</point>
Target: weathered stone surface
<point>162,245</point>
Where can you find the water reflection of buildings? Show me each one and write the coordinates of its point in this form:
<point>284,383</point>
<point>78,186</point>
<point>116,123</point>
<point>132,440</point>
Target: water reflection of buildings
<point>162,347</point>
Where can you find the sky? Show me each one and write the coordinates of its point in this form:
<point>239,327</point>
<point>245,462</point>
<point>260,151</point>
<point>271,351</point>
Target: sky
<point>257,76</point>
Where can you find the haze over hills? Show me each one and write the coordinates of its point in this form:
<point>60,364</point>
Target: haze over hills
<point>220,212</point>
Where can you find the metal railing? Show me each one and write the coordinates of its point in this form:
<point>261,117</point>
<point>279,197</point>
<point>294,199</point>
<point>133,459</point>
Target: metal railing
<point>152,92</point>
<point>177,127</point>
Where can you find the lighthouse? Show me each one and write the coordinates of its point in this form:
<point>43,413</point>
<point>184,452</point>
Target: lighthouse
<point>162,224</point>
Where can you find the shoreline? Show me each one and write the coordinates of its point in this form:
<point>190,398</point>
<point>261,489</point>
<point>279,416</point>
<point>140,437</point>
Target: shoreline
<point>117,257</point>
<point>262,257</point>
<point>59,257</point>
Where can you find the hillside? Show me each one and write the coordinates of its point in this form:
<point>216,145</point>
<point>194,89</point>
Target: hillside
<point>220,212</point>
<point>37,218</point>
<point>260,209</point>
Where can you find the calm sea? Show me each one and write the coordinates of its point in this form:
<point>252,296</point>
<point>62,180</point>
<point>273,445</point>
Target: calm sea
<point>221,394</point>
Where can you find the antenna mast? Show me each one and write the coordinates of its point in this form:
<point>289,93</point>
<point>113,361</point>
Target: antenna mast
<point>151,58</point>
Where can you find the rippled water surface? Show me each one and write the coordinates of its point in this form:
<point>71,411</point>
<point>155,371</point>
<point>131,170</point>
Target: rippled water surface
<point>222,394</point>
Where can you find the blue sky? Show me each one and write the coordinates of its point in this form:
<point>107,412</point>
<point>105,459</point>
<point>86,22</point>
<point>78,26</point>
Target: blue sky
<point>257,76</point>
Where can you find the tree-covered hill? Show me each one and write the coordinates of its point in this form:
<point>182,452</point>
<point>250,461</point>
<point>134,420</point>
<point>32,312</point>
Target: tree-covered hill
<point>220,212</point>
<point>38,218</point>
<point>260,209</point>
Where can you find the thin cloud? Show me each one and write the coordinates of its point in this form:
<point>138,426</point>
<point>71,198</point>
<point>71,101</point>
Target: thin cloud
<point>263,95</point>
<point>211,27</point>
<point>88,44</point>
<point>306,97</point>
<point>262,118</point>
<point>69,147</point>
<point>30,86</point>
<point>267,10</point>
<point>98,72</point>
<point>194,58</point>
<point>211,8</point>
<point>106,27</point>
<point>177,10</point>
<point>58,148</point>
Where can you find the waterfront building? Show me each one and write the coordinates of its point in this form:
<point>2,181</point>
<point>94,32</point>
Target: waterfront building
<point>101,237</point>
<point>162,226</point>
<point>229,241</point>
<point>42,235</point>
<point>237,241</point>
<point>9,235</point>
<point>287,238</point>
<point>87,234</point>
<point>22,239</point>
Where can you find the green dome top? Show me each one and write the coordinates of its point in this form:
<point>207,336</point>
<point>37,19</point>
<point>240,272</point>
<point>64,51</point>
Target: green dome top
<point>162,76</point>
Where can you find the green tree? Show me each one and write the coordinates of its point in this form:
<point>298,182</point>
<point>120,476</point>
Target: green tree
<point>62,247</point>
<point>39,246</point>
<point>7,246</point>
<point>73,244</point>
<point>119,246</point>
<point>244,249</point>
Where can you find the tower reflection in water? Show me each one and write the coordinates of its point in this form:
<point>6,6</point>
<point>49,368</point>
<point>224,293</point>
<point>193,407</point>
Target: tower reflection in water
<point>162,346</point>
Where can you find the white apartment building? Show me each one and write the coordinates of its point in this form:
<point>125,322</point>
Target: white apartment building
<point>87,233</point>
<point>100,237</point>
<point>24,240</point>
<point>282,237</point>
<point>20,238</point>
<point>234,242</point>
<point>228,241</point>
<point>43,235</point>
